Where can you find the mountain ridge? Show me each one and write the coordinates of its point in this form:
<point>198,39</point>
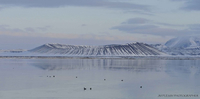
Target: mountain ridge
<point>180,46</point>
<point>129,49</point>
<point>183,42</point>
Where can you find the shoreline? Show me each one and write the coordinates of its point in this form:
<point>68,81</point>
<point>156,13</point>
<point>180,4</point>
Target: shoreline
<point>106,57</point>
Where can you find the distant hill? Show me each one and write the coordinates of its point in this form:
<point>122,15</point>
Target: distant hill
<point>184,42</point>
<point>132,49</point>
<point>180,46</point>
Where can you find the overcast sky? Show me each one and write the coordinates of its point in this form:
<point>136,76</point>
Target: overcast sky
<point>27,24</point>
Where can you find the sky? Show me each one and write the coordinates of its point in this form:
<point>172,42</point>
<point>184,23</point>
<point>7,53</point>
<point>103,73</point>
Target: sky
<point>26,24</point>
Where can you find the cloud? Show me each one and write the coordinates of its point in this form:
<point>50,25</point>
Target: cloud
<point>132,28</point>
<point>147,29</point>
<point>190,4</point>
<point>136,21</point>
<point>34,32</point>
<point>83,25</point>
<point>155,28</point>
<point>8,29</point>
<point>139,12</point>
<point>1,8</point>
<point>45,28</point>
<point>194,27</point>
<point>29,29</point>
<point>80,3</point>
<point>139,21</point>
<point>167,24</point>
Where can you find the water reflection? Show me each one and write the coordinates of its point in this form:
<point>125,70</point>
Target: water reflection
<point>72,75</point>
<point>182,67</point>
<point>171,67</point>
<point>107,64</point>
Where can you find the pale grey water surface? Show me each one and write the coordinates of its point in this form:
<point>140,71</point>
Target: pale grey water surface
<point>108,78</point>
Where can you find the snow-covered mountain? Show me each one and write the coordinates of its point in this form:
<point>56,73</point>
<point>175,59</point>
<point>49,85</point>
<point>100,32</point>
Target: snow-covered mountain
<point>180,46</point>
<point>183,42</point>
<point>132,49</point>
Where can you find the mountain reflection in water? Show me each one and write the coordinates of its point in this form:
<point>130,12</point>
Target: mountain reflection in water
<point>171,67</point>
<point>107,64</point>
<point>108,78</point>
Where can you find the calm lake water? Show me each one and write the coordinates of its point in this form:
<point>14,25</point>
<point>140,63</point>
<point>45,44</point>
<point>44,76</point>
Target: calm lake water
<point>107,78</point>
